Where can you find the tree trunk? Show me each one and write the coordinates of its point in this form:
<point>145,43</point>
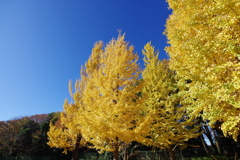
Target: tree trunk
<point>204,145</point>
<point>76,149</point>
<point>125,157</point>
<point>210,138</point>
<point>217,143</point>
<point>218,147</point>
<point>171,153</point>
<point>115,152</point>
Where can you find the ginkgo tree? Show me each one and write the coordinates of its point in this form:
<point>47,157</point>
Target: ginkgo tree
<point>170,125</point>
<point>204,38</point>
<point>112,114</point>
<point>66,133</point>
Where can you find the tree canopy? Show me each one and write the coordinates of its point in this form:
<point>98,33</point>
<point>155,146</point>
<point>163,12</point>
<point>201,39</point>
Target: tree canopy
<point>112,108</point>
<point>204,38</point>
<point>170,126</point>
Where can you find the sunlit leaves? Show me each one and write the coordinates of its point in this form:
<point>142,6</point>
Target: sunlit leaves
<point>66,133</point>
<point>170,125</point>
<point>111,114</point>
<point>204,38</point>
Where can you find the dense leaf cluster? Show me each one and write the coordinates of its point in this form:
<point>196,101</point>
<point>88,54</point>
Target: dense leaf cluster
<point>204,38</point>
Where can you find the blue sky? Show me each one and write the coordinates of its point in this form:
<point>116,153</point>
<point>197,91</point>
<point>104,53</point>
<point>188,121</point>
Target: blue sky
<point>44,43</point>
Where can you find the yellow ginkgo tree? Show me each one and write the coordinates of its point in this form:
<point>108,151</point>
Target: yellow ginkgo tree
<point>170,125</point>
<point>66,133</point>
<point>112,114</point>
<point>204,38</point>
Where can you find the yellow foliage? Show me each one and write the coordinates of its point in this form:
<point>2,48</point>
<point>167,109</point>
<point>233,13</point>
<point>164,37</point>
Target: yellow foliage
<point>111,115</point>
<point>204,38</point>
<point>170,125</point>
<point>68,134</point>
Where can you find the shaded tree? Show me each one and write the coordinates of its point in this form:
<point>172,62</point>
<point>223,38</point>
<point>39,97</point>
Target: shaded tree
<point>8,133</point>
<point>27,138</point>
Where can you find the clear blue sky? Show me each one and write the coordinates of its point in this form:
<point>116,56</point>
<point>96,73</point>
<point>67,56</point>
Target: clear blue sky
<point>43,44</point>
